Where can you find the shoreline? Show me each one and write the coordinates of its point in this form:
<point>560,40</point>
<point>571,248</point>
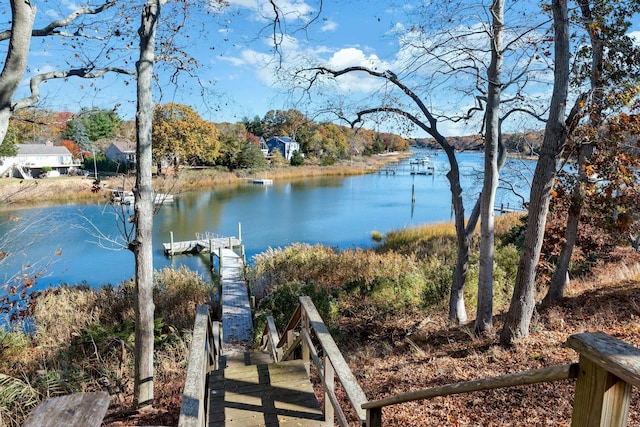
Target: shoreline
<point>18,193</point>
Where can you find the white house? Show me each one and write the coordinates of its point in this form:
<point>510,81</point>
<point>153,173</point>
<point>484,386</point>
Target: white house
<point>32,159</point>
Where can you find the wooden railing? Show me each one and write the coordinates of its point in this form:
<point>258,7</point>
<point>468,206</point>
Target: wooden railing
<point>606,370</point>
<point>305,325</point>
<point>206,346</point>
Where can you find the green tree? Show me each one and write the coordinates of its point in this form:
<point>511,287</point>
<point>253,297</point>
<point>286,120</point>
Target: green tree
<point>77,132</point>
<point>250,156</point>
<point>297,159</point>
<point>100,123</point>
<point>253,125</point>
<point>8,147</point>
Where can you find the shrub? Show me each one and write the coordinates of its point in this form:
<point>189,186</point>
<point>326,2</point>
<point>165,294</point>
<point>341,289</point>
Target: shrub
<point>297,159</point>
<point>282,302</point>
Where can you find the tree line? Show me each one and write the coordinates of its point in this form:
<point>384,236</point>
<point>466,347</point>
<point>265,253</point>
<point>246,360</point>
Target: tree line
<point>180,133</point>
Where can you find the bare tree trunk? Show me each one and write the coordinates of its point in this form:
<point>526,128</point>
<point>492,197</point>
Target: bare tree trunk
<point>559,279</point>
<point>22,18</point>
<point>457,311</point>
<point>484,313</point>
<point>522,304</point>
<point>142,245</point>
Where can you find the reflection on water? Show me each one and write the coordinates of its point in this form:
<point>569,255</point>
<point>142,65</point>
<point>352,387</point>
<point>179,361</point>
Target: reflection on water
<point>336,211</point>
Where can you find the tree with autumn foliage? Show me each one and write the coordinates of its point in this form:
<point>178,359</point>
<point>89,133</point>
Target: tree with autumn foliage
<point>179,133</point>
<point>608,214</point>
<point>73,148</point>
<point>610,63</point>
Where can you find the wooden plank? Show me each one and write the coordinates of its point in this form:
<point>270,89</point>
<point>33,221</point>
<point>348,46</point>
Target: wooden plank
<point>614,355</point>
<point>264,395</point>
<point>602,399</point>
<point>192,411</point>
<point>74,410</point>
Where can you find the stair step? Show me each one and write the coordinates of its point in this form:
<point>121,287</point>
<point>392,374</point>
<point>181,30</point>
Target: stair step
<point>264,395</point>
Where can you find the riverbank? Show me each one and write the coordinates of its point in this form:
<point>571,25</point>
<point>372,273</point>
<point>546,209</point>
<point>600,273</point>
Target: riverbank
<point>70,189</point>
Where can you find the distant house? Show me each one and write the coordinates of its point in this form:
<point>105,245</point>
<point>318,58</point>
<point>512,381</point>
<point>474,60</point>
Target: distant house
<point>122,151</point>
<point>286,145</point>
<point>34,159</point>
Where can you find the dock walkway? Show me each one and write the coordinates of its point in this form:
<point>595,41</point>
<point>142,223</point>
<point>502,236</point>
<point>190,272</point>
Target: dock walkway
<point>237,326</point>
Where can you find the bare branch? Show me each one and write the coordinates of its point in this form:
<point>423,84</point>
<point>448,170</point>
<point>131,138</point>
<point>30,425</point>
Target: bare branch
<point>54,25</point>
<point>84,73</point>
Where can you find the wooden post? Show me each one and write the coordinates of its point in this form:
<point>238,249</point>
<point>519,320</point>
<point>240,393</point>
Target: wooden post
<point>413,193</point>
<point>304,324</point>
<point>374,417</point>
<point>330,382</point>
<point>220,260</point>
<point>240,232</point>
<point>171,243</point>
<point>608,369</point>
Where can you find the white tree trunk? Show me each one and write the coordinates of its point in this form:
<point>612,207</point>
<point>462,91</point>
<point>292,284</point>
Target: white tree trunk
<point>142,245</point>
<point>484,314</point>
<point>22,18</point>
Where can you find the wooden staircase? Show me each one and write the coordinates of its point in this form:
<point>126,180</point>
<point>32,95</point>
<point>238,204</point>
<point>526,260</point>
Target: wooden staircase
<point>262,394</point>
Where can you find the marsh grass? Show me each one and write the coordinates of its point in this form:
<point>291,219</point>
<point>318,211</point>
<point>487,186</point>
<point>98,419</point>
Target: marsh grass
<point>409,271</point>
<point>84,339</point>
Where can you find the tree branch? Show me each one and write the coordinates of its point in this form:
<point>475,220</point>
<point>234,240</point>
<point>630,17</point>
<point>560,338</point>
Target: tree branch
<point>84,73</point>
<point>51,28</point>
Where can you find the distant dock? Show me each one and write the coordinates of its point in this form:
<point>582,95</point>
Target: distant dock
<point>262,181</point>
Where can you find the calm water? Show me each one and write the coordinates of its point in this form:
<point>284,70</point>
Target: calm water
<point>340,212</point>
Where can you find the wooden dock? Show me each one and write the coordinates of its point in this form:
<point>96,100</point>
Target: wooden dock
<point>237,325</point>
<point>203,243</point>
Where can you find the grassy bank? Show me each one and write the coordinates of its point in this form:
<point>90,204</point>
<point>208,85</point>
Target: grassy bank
<point>75,189</point>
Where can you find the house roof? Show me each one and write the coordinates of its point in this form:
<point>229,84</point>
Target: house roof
<point>42,150</point>
<point>124,146</point>
<point>284,139</point>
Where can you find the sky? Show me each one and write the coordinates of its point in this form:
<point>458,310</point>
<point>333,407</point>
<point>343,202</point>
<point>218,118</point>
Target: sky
<point>238,73</point>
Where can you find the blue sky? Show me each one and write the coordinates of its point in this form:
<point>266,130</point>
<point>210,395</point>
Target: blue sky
<point>237,76</point>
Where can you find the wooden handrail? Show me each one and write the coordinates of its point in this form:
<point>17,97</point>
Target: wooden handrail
<point>549,374</point>
<point>334,366</point>
<point>270,339</point>
<point>607,370</point>
<point>204,354</point>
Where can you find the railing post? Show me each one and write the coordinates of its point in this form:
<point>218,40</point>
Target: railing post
<point>330,384</point>
<point>220,260</point>
<point>304,324</point>
<point>374,417</point>
<point>608,368</point>
<point>171,243</point>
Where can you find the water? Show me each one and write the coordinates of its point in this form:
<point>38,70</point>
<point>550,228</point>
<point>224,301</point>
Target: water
<point>63,241</point>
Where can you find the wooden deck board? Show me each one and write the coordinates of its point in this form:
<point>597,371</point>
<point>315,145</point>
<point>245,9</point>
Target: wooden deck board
<point>236,310</point>
<point>264,395</point>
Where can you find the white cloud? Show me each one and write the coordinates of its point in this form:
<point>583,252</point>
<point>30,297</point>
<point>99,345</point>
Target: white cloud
<point>350,57</point>
<point>287,9</point>
<point>329,25</point>
<point>635,35</point>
